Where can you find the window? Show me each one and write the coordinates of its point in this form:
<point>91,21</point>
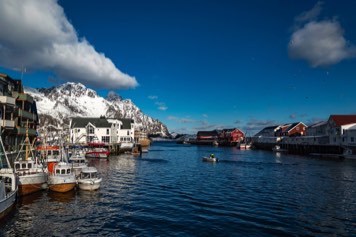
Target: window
<point>63,171</point>
<point>90,130</point>
<point>105,139</point>
<point>68,171</point>
<point>17,166</point>
<point>128,132</point>
<point>107,132</point>
<point>352,139</point>
<point>23,166</point>
<point>57,171</point>
<point>29,165</point>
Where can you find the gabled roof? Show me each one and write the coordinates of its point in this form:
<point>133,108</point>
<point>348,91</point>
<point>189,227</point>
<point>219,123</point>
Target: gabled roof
<point>343,119</point>
<point>294,125</point>
<point>80,122</point>
<point>318,124</point>
<point>126,123</point>
<point>83,122</point>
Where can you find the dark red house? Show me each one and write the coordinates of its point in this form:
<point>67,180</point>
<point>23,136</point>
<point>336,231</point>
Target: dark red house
<point>292,130</point>
<point>230,137</point>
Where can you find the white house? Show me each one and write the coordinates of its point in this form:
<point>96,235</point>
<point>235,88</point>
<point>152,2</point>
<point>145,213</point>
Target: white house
<point>107,130</point>
<point>337,126</point>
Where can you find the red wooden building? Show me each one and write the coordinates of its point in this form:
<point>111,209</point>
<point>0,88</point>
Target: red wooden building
<point>230,137</point>
<point>291,130</point>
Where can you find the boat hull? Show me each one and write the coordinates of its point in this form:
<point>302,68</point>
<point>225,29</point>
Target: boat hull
<point>62,188</point>
<point>61,183</point>
<point>7,204</point>
<point>100,155</point>
<point>29,188</point>
<point>89,185</point>
<point>209,159</point>
<point>31,183</point>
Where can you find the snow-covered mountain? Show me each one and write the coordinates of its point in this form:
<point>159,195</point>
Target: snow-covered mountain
<point>56,105</point>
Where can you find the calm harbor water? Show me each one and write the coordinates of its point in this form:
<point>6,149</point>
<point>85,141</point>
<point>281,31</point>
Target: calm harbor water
<point>171,192</point>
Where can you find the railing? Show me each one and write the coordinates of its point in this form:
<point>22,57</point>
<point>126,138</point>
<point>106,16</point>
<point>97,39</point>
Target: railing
<point>25,97</point>
<point>25,114</point>
<point>7,123</point>
<point>7,100</point>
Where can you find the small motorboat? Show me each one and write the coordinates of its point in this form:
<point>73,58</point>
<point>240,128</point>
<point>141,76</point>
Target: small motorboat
<point>89,179</point>
<point>210,159</point>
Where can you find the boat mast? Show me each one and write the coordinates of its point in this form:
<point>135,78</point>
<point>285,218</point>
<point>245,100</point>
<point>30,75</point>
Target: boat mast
<point>27,142</point>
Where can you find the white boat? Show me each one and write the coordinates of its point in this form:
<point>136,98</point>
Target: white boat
<point>8,184</point>
<point>126,145</point>
<point>348,154</point>
<point>78,162</point>
<point>97,150</point>
<point>278,148</point>
<point>210,159</point>
<point>31,173</point>
<point>62,179</point>
<point>89,179</point>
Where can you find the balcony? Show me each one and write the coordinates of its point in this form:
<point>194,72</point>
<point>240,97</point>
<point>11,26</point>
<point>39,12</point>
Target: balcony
<point>22,131</point>
<point>25,97</point>
<point>7,123</point>
<point>7,100</point>
<point>26,115</point>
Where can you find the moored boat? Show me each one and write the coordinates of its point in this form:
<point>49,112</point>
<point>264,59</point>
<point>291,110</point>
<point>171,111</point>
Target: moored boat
<point>89,179</point>
<point>349,154</point>
<point>97,150</point>
<point>31,173</point>
<point>8,184</point>
<point>62,179</point>
<point>78,162</point>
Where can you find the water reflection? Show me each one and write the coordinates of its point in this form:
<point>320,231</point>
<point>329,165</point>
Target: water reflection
<point>66,197</point>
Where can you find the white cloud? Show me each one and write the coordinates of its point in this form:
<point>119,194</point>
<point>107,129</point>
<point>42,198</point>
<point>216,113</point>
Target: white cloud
<point>37,35</point>
<point>310,15</point>
<point>321,43</point>
<point>161,106</point>
<point>152,97</point>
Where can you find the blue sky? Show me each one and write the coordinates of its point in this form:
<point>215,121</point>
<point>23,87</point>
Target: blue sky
<point>195,65</point>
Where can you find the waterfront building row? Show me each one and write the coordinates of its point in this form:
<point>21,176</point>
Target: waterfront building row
<point>335,135</point>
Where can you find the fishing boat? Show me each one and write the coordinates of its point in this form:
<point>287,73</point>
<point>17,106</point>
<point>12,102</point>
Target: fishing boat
<point>30,171</point>
<point>50,154</point>
<point>89,179</point>
<point>78,162</point>
<point>61,178</point>
<point>8,183</point>
<point>97,150</point>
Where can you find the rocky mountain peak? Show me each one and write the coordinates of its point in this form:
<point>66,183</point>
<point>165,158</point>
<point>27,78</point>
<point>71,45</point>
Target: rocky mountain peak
<point>56,105</point>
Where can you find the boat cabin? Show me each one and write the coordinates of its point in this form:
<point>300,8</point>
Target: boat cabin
<point>89,173</point>
<point>61,170</point>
